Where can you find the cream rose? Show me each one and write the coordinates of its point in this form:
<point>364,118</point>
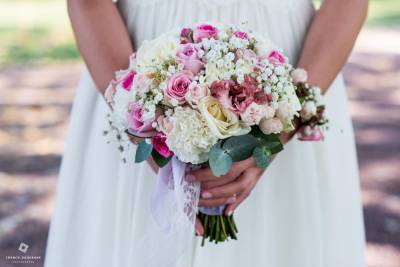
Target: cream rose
<point>159,49</point>
<point>222,122</point>
<point>269,126</point>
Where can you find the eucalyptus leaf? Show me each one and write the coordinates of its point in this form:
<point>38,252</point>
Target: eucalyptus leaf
<point>262,156</point>
<point>143,151</point>
<point>220,161</point>
<point>240,147</point>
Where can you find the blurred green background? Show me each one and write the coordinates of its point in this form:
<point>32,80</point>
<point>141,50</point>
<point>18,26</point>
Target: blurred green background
<point>39,30</point>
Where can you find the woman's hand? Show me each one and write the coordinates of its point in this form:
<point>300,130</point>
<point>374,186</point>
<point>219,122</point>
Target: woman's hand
<point>230,189</point>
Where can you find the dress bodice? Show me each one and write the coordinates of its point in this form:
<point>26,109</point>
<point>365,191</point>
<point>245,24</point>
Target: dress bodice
<point>283,21</point>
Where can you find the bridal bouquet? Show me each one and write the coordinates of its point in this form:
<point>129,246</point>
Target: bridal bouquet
<point>210,95</point>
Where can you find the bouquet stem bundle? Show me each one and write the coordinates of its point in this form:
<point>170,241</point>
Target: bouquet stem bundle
<point>218,228</point>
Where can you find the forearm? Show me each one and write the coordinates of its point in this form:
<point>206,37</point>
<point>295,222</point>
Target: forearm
<point>331,38</point>
<point>102,38</point>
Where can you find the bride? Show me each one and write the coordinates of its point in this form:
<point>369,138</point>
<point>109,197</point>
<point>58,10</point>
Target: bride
<point>305,215</point>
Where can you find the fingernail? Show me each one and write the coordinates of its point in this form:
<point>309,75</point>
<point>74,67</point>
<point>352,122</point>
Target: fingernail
<point>206,195</point>
<point>190,178</point>
<point>231,200</point>
<point>229,212</point>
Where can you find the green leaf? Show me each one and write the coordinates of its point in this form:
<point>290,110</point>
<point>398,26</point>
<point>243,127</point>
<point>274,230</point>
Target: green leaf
<point>143,151</point>
<point>220,161</point>
<point>240,147</point>
<point>262,156</point>
<point>160,160</point>
<point>271,142</point>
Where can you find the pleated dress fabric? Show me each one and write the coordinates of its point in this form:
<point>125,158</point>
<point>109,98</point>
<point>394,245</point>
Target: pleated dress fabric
<point>304,212</point>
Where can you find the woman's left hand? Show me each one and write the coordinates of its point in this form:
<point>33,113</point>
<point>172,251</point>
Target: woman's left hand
<point>230,189</point>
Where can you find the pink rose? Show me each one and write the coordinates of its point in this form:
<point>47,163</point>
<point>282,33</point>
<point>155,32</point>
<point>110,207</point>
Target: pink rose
<point>178,86</point>
<point>195,93</point>
<point>204,31</point>
<point>159,144</point>
<point>307,133</point>
<point>241,35</point>
<point>276,58</point>
<point>127,81</point>
<point>188,55</point>
<point>136,124</point>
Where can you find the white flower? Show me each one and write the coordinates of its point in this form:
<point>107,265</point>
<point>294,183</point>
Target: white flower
<point>158,50</point>
<point>263,46</point>
<point>299,76</point>
<point>309,109</point>
<point>269,126</point>
<point>190,138</point>
<point>285,111</point>
<point>253,114</point>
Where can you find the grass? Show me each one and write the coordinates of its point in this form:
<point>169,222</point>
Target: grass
<point>39,30</point>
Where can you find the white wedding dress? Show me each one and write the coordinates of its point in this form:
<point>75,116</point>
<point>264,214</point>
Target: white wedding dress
<point>304,212</point>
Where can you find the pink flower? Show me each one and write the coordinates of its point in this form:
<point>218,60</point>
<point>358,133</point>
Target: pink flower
<point>159,144</point>
<point>136,124</point>
<point>276,58</point>
<point>195,93</point>
<point>188,55</point>
<point>253,114</point>
<point>307,133</point>
<point>204,31</point>
<point>249,54</point>
<point>221,90</point>
<point>186,36</point>
<point>127,81</point>
<point>241,35</point>
<point>178,86</point>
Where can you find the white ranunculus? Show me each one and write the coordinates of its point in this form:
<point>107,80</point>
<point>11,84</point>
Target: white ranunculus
<point>263,46</point>
<point>270,126</point>
<point>309,109</point>
<point>222,122</point>
<point>190,138</point>
<point>159,49</point>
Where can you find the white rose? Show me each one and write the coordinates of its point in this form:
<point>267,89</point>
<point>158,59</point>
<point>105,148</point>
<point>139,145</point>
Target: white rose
<point>299,76</point>
<point>309,109</point>
<point>253,114</point>
<point>161,49</point>
<point>222,122</point>
<point>269,126</point>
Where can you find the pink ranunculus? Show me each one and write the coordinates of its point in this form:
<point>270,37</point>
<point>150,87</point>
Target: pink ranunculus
<point>275,57</point>
<point>136,124</point>
<point>127,81</point>
<point>221,91</point>
<point>160,145</point>
<point>306,133</point>
<point>178,86</point>
<point>195,93</point>
<point>241,35</point>
<point>204,31</point>
<point>253,114</point>
<point>187,54</point>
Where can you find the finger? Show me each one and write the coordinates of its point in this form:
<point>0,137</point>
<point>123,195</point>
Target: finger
<point>201,175</point>
<point>198,226</point>
<point>231,207</point>
<point>215,202</point>
<point>233,188</point>
<point>216,183</point>
<point>135,140</point>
